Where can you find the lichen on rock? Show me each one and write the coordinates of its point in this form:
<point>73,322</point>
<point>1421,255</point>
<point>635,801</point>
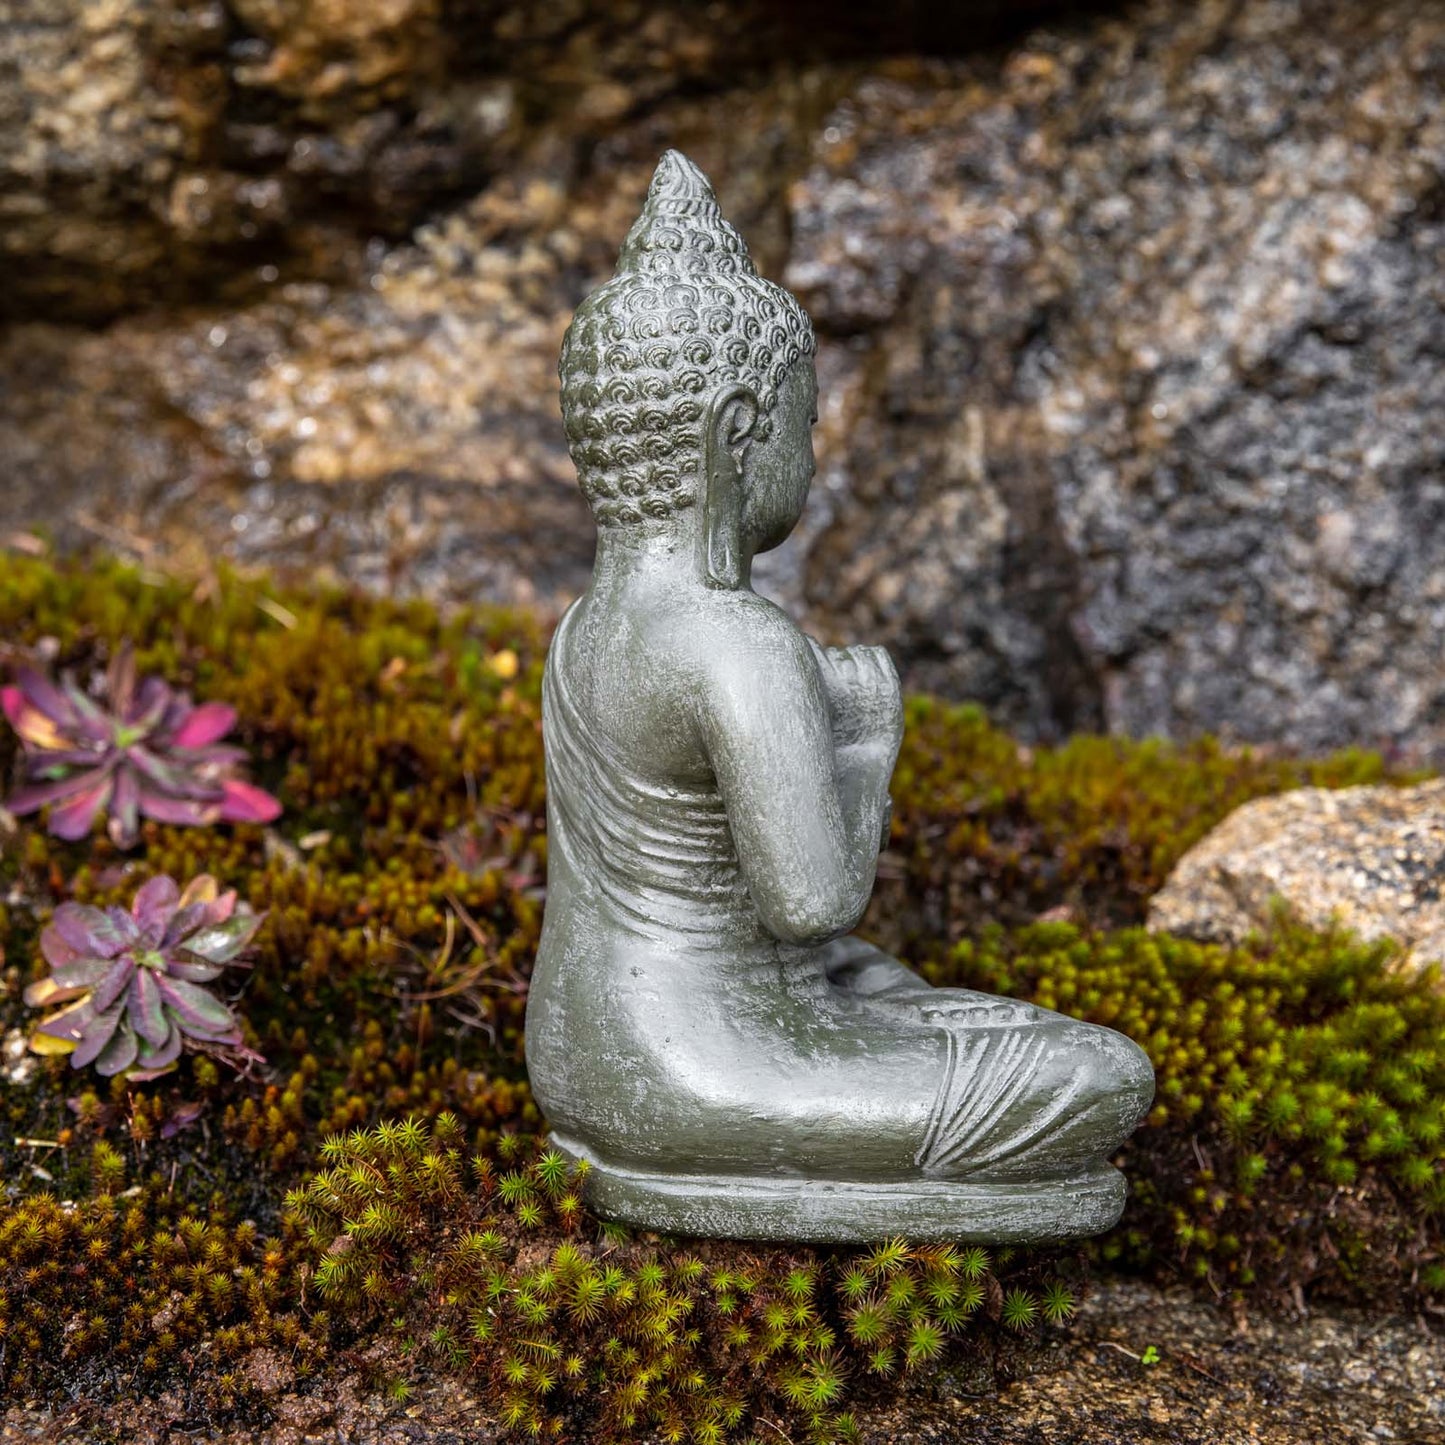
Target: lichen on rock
<point>1153,305</point>
<point>1370,859</point>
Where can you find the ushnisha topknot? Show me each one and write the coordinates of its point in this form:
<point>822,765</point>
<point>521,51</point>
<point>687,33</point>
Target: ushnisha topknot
<point>681,230</point>
<point>685,314</point>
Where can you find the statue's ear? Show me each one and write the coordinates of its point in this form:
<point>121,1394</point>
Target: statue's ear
<point>728,429</point>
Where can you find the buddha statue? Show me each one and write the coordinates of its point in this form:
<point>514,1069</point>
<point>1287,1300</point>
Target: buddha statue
<point>703,1028</point>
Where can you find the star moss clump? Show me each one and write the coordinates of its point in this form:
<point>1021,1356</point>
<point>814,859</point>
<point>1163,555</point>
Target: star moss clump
<point>132,1283</point>
<point>158,1234</point>
<point>493,1261</point>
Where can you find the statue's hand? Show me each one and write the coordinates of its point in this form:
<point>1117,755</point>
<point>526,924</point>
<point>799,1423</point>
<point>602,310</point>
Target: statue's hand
<point>864,695</point>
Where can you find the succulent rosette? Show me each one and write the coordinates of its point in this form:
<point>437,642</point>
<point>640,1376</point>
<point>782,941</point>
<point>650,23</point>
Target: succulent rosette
<point>133,983</point>
<point>151,752</point>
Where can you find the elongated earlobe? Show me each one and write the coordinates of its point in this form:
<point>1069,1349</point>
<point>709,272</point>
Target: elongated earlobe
<point>730,421</point>
<point>721,528</point>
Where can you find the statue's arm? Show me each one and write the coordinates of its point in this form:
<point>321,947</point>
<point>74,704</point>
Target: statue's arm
<point>805,814</point>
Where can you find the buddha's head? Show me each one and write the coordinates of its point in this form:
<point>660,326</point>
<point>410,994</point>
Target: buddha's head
<point>688,382</point>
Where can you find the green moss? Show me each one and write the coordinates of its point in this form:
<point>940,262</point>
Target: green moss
<point>989,830</point>
<point>131,1281</point>
<point>1297,1139</point>
<point>1299,1125</point>
<point>590,1336</point>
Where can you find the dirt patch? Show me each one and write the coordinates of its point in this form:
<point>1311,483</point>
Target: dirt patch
<point>1333,1376</point>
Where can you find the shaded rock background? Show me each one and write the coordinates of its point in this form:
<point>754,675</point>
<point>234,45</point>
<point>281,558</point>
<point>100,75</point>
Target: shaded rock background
<point>1371,859</point>
<point>1132,318</point>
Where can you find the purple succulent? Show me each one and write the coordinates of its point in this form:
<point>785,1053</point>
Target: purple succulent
<point>154,752</point>
<point>133,983</point>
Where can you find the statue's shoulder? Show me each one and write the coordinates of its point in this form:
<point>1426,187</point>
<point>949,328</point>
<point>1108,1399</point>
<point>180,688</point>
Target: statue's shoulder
<point>713,640</point>
<point>738,631</point>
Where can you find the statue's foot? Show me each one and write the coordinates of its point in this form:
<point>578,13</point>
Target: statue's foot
<point>771,1206</point>
<point>1026,1093</point>
<point>863,972</point>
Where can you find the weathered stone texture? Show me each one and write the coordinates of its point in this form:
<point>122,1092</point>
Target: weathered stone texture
<point>1133,331</point>
<point>1371,859</point>
<point>400,429</point>
<point>164,151</point>
<point>1148,329</point>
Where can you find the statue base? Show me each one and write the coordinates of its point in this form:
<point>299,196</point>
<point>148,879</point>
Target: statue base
<point>841,1211</point>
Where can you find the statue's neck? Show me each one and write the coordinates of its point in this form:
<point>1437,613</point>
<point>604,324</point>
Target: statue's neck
<point>669,553</point>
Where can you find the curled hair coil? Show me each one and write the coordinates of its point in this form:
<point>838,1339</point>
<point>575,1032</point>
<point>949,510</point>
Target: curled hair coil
<point>735,353</point>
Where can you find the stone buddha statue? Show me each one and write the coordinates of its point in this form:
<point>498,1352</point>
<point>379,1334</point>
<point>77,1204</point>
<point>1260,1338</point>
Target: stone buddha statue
<point>703,1027</point>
